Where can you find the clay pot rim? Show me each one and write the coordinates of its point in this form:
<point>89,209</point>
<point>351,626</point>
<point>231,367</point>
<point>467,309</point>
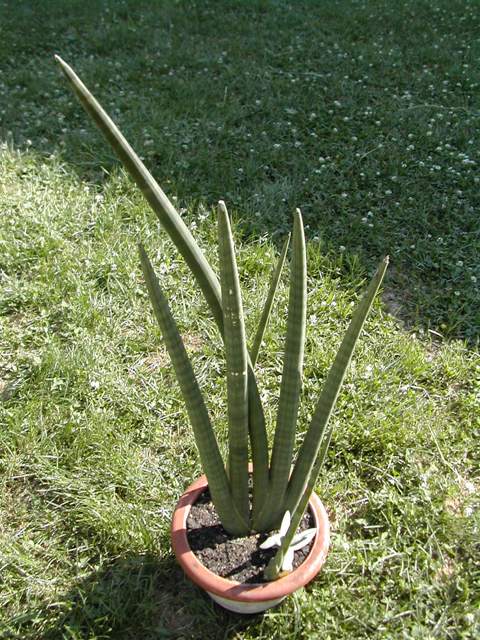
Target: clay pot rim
<point>255,592</point>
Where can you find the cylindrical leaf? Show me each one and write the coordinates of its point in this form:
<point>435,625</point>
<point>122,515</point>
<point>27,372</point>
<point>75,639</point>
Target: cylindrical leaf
<point>166,212</point>
<point>313,439</point>
<point>236,361</point>
<point>192,254</point>
<point>291,380</point>
<point>318,435</point>
<point>197,412</point>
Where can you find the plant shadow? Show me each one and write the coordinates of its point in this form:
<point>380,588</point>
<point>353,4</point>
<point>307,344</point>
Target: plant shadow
<point>142,596</point>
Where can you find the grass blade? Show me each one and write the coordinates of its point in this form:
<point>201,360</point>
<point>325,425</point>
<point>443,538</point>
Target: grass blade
<point>313,440</point>
<point>262,325</point>
<point>197,412</point>
<point>236,359</point>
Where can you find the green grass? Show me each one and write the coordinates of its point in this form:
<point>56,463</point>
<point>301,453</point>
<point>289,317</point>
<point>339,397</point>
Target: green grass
<point>363,114</point>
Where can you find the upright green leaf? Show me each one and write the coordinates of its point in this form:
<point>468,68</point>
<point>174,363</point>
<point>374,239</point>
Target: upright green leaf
<point>197,412</point>
<point>291,379</point>
<point>262,325</point>
<point>193,256</point>
<point>274,567</point>
<point>313,440</point>
<point>261,475</point>
<point>236,360</point>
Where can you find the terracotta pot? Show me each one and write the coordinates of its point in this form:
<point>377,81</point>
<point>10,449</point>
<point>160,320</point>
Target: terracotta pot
<point>254,597</point>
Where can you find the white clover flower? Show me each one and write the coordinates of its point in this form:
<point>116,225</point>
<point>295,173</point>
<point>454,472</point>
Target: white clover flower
<point>469,618</point>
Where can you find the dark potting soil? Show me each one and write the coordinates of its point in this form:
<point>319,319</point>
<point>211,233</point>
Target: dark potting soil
<point>238,559</point>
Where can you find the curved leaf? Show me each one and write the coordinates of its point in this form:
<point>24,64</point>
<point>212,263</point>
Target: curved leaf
<point>197,412</point>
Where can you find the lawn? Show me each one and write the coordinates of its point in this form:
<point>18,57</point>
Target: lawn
<point>363,114</point>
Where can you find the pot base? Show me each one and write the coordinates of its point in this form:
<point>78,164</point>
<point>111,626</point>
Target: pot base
<point>245,607</point>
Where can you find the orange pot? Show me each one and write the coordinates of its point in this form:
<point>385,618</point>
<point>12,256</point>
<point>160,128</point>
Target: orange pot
<point>246,598</point>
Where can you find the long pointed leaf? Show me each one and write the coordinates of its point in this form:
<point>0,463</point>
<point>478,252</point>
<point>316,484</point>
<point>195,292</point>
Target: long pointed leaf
<point>197,412</point>
<point>236,359</point>
<point>326,403</point>
<point>192,254</point>
<point>157,199</point>
<point>291,379</point>
<point>262,325</point>
<point>274,567</point>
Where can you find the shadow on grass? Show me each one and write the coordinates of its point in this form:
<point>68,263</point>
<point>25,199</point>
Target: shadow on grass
<point>220,109</point>
<point>142,596</point>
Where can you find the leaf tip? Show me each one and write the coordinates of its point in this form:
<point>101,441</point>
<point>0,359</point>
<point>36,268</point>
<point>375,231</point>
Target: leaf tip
<point>60,61</point>
<point>67,70</point>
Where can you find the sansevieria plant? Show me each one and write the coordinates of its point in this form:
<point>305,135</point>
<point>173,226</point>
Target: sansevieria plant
<point>279,484</point>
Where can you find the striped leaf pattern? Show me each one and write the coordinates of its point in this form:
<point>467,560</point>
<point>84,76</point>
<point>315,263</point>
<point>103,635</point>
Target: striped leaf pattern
<point>197,412</point>
<point>272,572</point>
<point>258,440</point>
<point>328,397</point>
<point>273,494</point>
<point>291,378</point>
<point>236,361</point>
<point>166,212</point>
<point>188,248</point>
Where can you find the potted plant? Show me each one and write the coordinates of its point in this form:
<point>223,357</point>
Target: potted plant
<point>267,496</point>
